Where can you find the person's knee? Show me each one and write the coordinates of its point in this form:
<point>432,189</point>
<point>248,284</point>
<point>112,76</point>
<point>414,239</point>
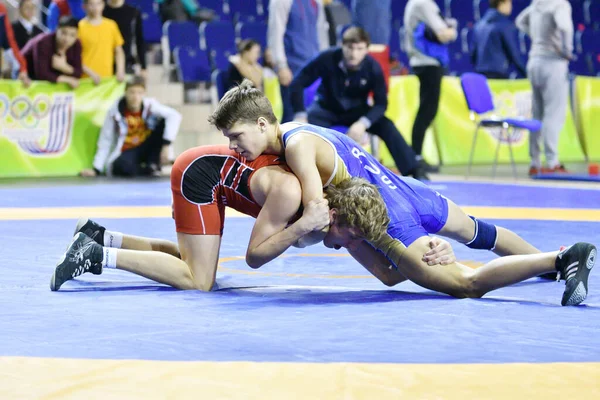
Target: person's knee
<point>384,128</point>
<point>203,283</point>
<point>468,287</point>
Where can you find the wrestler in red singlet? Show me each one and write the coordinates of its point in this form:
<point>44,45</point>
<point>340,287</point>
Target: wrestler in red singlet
<point>206,179</point>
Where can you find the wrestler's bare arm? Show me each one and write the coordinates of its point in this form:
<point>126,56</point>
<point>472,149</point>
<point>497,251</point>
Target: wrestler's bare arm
<point>271,235</point>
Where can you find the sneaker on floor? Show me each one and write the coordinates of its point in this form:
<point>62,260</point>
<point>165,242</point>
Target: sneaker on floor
<point>92,229</point>
<point>83,255</point>
<point>533,171</point>
<point>419,174</point>
<point>559,169</point>
<point>426,167</point>
<point>574,265</point>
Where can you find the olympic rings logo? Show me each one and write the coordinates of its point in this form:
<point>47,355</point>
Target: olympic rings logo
<point>24,110</point>
<point>39,126</point>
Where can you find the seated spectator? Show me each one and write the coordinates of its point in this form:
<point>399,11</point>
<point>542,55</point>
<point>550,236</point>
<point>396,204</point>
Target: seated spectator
<point>183,10</point>
<point>7,39</point>
<point>101,43</point>
<point>495,45</point>
<point>62,8</point>
<point>56,57</point>
<point>348,75</point>
<point>129,20</point>
<point>25,27</point>
<point>136,135</point>
<point>245,65</point>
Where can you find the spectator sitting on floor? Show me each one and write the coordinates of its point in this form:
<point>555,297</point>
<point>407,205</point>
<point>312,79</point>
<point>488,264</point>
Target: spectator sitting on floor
<point>136,135</point>
<point>245,65</point>
<point>56,56</point>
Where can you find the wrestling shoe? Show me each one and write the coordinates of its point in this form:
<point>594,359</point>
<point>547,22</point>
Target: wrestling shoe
<point>92,229</point>
<point>83,255</point>
<point>574,265</point>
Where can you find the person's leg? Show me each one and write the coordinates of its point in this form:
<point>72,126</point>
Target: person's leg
<point>286,101</point>
<point>537,110</point>
<point>127,164</point>
<point>555,95</point>
<point>153,146</point>
<point>403,155</point>
<point>430,79</point>
<point>120,240</point>
<point>460,227</point>
<point>460,281</point>
<point>317,115</point>
<point>196,269</point>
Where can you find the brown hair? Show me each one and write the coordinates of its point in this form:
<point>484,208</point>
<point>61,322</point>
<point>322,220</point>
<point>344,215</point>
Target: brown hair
<point>496,3</point>
<point>354,35</point>
<point>359,205</point>
<point>246,44</point>
<point>135,81</point>
<point>243,103</point>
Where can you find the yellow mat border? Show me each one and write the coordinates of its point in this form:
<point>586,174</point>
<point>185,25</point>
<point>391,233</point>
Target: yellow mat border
<point>49,378</point>
<point>517,213</point>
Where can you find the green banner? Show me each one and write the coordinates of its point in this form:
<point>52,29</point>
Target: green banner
<point>49,129</point>
<point>512,98</point>
<point>587,95</point>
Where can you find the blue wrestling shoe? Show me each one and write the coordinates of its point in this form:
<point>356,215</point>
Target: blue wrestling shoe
<point>574,265</point>
<point>92,229</point>
<point>83,255</point>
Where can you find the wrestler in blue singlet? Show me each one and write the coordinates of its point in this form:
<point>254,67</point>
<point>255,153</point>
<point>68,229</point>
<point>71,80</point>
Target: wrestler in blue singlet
<point>414,209</point>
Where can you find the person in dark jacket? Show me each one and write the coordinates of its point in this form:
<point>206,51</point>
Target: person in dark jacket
<point>348,75</point>
<point>495,46</point>
<point>25,27</point>
<point>56,56</point>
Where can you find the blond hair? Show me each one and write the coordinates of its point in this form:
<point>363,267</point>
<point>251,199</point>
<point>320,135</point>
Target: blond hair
<point>243,103</point>
<point>359,205</point>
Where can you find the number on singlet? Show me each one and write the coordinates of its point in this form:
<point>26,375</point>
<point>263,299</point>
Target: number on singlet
<point>374,169</point>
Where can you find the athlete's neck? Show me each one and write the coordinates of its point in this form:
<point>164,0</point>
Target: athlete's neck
<point>275,143</point>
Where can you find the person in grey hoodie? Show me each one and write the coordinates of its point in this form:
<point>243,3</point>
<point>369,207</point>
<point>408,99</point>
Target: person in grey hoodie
<point>549,23</point>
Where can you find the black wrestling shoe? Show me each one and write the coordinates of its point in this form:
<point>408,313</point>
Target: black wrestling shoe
<point>419,174</point>
<point>428,167</point>
<point>92,229</point>
<point>83,255</point>
<point>574,265</point>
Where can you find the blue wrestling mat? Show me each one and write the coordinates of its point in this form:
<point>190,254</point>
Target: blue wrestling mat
<point>312,305</point>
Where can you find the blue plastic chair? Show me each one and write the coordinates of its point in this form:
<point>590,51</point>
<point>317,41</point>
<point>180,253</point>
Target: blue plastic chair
<point>217,35</point>
<point>192,65</point>
<point>152,27</point>
<point>480,101</point>
<point>252,30</point>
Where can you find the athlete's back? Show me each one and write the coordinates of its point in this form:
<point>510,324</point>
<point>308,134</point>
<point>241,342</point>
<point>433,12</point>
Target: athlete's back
<point>414,209</point>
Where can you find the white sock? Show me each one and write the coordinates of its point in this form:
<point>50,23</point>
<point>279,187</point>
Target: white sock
<point>113,239</point>
<point>109,259</point>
